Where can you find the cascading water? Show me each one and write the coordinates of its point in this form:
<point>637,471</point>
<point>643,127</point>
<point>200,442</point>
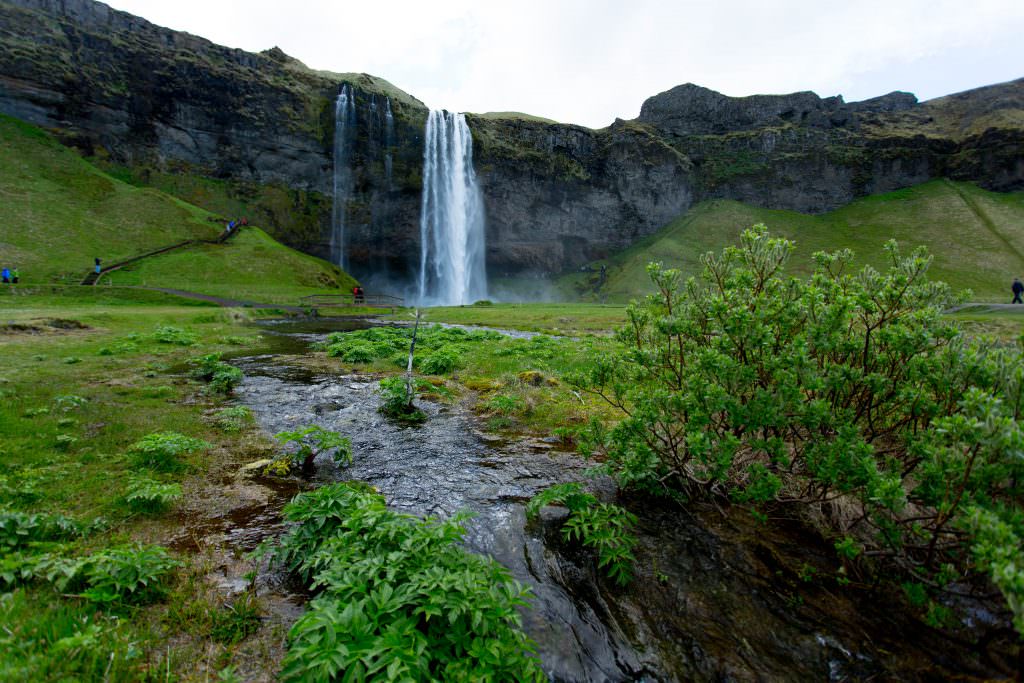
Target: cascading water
<point>344,137</point>
<point>452,267</point>
<point>389,136</point>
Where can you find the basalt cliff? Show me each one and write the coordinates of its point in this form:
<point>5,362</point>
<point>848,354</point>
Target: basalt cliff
<point>238,131</point>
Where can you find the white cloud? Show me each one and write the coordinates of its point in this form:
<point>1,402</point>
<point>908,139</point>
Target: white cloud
<point>589,62</point>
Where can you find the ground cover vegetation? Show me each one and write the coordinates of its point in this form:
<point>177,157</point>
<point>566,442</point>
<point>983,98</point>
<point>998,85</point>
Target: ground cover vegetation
<point>505,379</point>
<point>96,456</point>
<point>398,598</point>
<point>845,395</point>
<point>971,233</point>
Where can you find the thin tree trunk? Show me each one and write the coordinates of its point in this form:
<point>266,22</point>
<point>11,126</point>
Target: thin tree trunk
<point>410,392</point>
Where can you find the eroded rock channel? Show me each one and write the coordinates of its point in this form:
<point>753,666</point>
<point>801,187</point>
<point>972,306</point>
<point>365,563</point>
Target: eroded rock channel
<point>716,597</point>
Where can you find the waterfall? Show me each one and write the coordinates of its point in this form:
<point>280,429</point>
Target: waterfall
<point>452,267</point>
<point>344,137</point>
<point>389,137</point>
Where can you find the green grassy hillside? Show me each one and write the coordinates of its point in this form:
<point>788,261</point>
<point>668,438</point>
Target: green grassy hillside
<point>977,238</point>
<point>58,212</point>
<point>252,266</point>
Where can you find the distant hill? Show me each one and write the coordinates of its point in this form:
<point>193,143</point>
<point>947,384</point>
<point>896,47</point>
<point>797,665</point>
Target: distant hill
<point>58,212</point>
<point>976,236</point>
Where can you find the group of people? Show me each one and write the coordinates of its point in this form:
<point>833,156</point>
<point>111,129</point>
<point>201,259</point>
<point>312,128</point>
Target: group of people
<point>232,225</point>
<point>358,296</point>
<point>10,276</point>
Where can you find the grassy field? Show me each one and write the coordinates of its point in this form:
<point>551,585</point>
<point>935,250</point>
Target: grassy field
<point>975,236</point>
<point>58,212</point>
<point>557,319</point>
<point>250,267</point>
<point>86,374</point>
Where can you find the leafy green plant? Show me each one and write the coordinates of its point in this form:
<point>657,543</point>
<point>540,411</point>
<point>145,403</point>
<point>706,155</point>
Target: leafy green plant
<point>167,334</point>
<point>234,419</point>
<point>161,450</point>
<point>399,598</point>
<point>127,574</point>
<point>225,379</point>
<point>148,495</point>
<point>221,377</point>
<point>312,440</point>
<point>503,404</point>
<point>396,402</point>
<point>603,527</point>
<point>359,353</point>
<point>441,361</point>
<point>18,529</point>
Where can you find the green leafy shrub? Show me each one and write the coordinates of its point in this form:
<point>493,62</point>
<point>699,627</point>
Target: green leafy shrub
<point>503,404</point>
<point>399,598</point>
<point>126,575</point>
<point>161,450</point>
<point>311,441</point>
<point>225,379</point>
<point>65,442</point>
<point>396,402</point>
<point>222,377</point>
<point>18,529</point>
<point>167,334</point>
<point>148,495</point>
<point>603,527</point>
<point>234,419</point>
<point>849,396</point>
<point>359,353</point>
<point>441,361</point>
<point>204,367</point>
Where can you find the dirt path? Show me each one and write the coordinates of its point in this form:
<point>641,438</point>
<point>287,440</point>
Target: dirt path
<point>219,300</point>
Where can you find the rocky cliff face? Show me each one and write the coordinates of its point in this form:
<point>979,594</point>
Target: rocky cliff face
<point>169,104</point>
<point>126,91</point>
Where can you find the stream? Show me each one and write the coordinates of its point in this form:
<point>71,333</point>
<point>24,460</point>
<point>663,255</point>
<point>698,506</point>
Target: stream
<point>715,597</point>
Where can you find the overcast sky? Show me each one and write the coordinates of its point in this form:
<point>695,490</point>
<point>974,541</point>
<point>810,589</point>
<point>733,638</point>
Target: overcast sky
<point>590,61</point>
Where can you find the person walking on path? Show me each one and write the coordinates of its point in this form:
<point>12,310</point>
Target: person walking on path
<point>97,260</point>
<point>1018,289</point>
